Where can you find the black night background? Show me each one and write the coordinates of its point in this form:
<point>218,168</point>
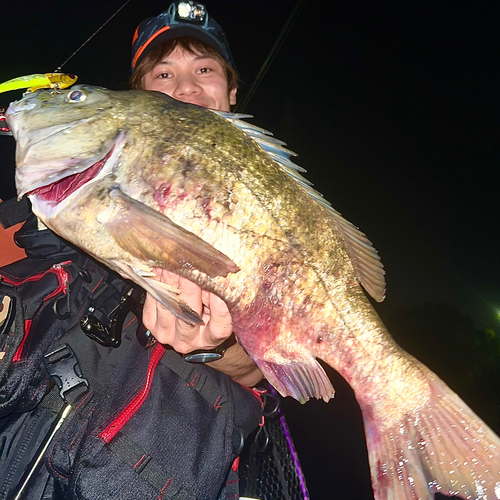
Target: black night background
<point>393,110</point>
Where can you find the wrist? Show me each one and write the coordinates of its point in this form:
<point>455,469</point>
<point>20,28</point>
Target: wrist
<point>239,366</point>
<point>210,355</point>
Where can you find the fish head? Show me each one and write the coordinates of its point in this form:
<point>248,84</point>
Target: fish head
<point>60,134</point>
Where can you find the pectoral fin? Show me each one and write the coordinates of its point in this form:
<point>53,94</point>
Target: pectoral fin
<point>152,237</point>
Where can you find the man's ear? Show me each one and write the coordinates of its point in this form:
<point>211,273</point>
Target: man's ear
<point>232,97</point>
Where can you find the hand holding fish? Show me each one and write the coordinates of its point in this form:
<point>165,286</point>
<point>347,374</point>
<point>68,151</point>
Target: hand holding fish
<point>184,338</point>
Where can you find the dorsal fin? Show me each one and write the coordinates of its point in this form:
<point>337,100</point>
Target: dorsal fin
<point>365,258</point>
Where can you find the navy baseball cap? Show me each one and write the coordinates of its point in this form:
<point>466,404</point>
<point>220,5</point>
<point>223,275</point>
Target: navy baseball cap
<point>181,19</point>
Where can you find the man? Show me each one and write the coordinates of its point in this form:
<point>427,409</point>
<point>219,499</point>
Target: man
<point>151,425</point>
<point>190,62</point>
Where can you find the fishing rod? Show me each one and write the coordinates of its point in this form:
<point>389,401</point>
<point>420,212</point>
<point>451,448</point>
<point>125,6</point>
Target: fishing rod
<point>56,80</point>
<point>292,18</point>
<point>58,69</point>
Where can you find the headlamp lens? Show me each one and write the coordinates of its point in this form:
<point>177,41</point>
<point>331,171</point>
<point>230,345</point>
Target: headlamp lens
<point>191,12</point>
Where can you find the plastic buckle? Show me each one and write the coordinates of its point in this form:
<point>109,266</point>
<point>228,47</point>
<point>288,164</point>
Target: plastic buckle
<point>62,365</point>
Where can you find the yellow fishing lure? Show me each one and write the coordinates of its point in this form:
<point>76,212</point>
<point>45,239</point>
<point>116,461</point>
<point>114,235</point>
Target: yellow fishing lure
<point>54,81</point>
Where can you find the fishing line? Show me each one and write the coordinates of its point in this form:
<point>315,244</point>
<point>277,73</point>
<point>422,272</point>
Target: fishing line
<point>279,42</point>
<point>58,69</point>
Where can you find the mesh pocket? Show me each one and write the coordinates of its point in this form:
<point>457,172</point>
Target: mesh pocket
<point>269,465</point>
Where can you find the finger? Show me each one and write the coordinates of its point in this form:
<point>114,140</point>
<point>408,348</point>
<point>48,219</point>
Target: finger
<point>189,337</point>
<point>167,277</point>
<point>191,294</point>
<point>220,325</point>
<point>156,317</point>
<point>158,320</point>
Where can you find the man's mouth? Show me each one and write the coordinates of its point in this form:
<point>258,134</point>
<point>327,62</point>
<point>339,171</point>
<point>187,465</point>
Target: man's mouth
<point>60,190</point>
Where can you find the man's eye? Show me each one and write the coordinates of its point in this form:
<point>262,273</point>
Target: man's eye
<point>163,75</point>
<point>203,71</point>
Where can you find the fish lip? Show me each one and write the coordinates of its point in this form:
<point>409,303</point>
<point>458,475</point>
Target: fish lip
<point>109,153</point>
<point>33,191</point>
<point>59,174</point>
<point>52,170</point>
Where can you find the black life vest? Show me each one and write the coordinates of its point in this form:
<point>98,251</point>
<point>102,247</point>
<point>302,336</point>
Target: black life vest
<point>146,424</point>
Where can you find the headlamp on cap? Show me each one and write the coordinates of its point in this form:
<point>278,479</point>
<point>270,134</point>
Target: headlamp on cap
<point>181,19</point>
<point>191,12</point>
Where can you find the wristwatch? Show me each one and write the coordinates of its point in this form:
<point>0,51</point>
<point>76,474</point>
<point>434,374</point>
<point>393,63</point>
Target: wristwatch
<point>205,356</point>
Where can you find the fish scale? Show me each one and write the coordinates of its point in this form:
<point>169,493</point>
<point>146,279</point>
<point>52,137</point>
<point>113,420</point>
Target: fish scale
<point>217,200</point>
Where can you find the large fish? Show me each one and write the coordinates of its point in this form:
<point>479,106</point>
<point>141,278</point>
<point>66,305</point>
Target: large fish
<point>138,180</point>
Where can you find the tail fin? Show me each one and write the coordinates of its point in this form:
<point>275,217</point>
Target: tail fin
<point>441,447</point>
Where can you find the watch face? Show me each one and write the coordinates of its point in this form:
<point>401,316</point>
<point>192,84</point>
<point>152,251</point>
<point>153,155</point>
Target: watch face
<point>202,357</point>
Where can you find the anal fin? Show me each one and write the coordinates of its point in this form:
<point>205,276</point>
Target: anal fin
<point>301,381</point>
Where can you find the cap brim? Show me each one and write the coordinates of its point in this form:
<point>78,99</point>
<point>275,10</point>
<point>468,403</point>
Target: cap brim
<point>188,31</point>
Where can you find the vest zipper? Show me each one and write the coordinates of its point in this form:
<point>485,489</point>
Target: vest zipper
<point>119,422</point>
<point>62,286</point>
<point>57,269</point>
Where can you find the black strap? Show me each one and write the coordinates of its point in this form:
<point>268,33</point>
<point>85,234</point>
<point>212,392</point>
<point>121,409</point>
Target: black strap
<point>53,400</point>
<point>13,211</point>
<point>63,367</point>
<point>147,468</point>
<point>111,302</point>
<point>196,379</point>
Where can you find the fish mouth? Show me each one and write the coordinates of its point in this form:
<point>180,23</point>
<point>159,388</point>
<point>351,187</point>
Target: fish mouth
<point>60,190</point>
<point>72,179</point>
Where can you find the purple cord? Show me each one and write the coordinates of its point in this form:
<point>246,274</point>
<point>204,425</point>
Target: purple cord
<point>295,458</point>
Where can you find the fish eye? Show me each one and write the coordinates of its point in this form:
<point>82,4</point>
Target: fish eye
<point>76,96</point>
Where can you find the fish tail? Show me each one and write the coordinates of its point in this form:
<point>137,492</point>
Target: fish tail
<point>442,447</point>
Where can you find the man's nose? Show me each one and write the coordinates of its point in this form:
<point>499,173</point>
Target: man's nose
<point>186,85</point>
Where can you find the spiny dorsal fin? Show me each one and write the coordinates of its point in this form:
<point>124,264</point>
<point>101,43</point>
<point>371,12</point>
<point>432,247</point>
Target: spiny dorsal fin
<point>365,258</point>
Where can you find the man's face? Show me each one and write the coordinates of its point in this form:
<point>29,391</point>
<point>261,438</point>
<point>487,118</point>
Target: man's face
<point>195,78</point>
